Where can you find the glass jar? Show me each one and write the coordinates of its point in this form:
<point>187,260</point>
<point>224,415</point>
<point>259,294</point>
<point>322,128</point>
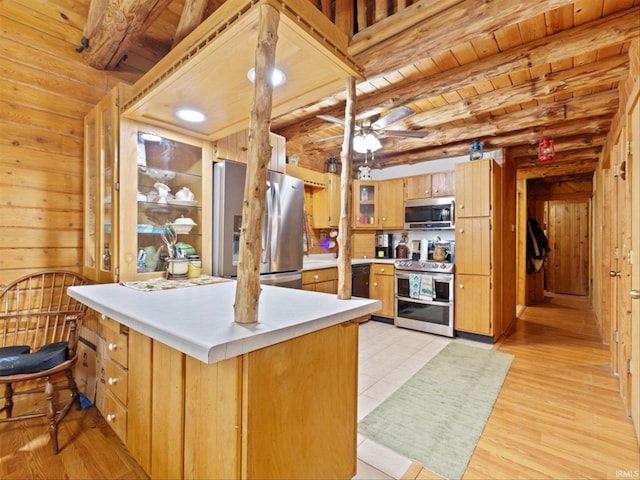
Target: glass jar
<point>194,268</point>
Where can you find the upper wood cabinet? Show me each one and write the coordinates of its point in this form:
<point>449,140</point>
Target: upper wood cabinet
<point>326,203</point>
<point>473,188</point>
<point>391,204</point>
<point>365,204</point>
<point>443,184</point>
<point>418,186</point>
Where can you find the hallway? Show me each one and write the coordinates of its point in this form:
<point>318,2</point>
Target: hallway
<point>559,414</point>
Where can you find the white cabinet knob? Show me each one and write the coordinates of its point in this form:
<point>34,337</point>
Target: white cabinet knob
<point>461,286</point>
<point>112,381</point>
<point>375,284</point>
<point>461,230</point>
<point>461,207</point>
<point>382,270</point>
<point>315,277</point>
<point>112,346</point>
<point>111,417</point>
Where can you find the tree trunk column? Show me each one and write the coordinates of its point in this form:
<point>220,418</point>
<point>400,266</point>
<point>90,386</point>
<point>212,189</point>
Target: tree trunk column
<point>248,284</point>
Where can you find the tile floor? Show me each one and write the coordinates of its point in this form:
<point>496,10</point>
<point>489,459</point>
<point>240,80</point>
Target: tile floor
<point>389,356</point>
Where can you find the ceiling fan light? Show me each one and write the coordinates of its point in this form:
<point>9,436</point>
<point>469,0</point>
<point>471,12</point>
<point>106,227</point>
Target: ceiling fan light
<point>372,142</point>
<point>359,144</point>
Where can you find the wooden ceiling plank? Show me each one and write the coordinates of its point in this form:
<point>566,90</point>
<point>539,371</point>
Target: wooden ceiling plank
<point>435,34</point>
<point>193,13</point>
<point>611,30</point>
<point>115,28</point>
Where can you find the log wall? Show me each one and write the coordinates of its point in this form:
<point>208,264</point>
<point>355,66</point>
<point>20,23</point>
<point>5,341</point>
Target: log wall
<point>45,92</point>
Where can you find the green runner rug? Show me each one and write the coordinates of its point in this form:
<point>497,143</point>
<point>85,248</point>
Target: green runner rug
<point>438,415</point>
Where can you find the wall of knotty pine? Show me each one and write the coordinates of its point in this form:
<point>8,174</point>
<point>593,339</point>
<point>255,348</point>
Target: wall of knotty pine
<point>45,92</point>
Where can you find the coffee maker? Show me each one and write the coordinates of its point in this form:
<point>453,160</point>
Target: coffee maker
<point>384,245</point>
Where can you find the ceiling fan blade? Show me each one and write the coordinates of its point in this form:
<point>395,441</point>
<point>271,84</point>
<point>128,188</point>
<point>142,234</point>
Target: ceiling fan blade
<point>403,133</point>
<point>395,116</point>
<point>320,140</point>
<point>332,119</point>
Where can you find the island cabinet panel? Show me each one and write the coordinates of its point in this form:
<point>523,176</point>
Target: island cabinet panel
<point>116,376</point>
<point>321,280</point>
<point>300,415</point>
<point>167,408</point>
<point>212,447</point>
<point>139,419</point>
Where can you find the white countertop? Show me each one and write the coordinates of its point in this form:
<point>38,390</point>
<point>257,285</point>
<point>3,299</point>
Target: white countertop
<point>198,320</point>
<point>314,262</point>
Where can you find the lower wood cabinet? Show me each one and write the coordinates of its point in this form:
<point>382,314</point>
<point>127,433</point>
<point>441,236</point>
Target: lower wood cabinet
<point>473,309</point>
<point>116,376</point>
<point>381,287</point>
<point>321,280</point>
<point>284,411</point>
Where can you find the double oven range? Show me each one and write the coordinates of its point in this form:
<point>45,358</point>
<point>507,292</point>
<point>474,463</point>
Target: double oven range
<point>424,296</point>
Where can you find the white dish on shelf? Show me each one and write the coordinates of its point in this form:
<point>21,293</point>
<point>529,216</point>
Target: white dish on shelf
<point>182,228</point>
<point>184,203</point>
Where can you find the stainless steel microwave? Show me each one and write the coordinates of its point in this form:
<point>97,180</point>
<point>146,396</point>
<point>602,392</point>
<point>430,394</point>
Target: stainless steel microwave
<point>429,213</point>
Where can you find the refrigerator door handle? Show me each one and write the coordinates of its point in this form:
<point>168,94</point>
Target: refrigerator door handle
<point>275,220</point>
<point>266,229</point>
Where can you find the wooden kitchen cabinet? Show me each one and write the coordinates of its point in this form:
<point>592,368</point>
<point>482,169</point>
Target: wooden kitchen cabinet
<point>124,213</point>
<point>365,204</point>
<point>391,204</point>
<point>326,203</point>
<point>478,282</point>
<point>417,187</point>
<point>189,419</point>
<point>443,184</point>
<point>116,377</point>
<point>381,287</point>
<point>321,280</point>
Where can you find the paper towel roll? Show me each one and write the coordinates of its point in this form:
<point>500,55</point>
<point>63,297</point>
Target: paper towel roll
<point>424,248</point>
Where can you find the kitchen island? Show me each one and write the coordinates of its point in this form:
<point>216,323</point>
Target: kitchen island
<point>210,398</point>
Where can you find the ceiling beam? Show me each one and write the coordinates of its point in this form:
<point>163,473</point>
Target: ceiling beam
<point>193,13</point>
<point>113,26</point>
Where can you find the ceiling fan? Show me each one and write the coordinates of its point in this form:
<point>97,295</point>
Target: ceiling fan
<point>367,134</point>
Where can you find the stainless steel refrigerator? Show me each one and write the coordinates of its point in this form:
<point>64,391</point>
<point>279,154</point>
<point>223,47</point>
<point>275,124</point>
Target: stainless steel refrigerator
<point>282,229</point>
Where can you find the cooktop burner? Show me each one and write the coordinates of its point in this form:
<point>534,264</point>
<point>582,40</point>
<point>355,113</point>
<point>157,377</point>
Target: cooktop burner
<point>424,266</point>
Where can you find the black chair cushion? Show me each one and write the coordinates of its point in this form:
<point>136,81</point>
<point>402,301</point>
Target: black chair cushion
<point>47,357</point>
<point>14,350</point>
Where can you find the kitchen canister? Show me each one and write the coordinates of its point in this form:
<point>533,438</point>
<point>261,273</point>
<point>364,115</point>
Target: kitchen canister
<point>194,268</point>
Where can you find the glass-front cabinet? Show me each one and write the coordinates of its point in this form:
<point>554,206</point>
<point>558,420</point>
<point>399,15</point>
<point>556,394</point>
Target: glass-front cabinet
<point>101,129</point>
<point>143,184</point>
<point>165,200</point>
<point>365,197</point>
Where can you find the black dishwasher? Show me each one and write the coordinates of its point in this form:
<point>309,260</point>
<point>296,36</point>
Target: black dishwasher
<point>360,280</point>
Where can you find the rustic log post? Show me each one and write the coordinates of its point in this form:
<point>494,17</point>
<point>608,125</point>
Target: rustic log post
<point>248,285</point>
<point>344,225</point>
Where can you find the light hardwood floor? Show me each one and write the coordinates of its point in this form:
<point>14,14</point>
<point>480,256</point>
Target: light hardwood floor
<point>558,416</point>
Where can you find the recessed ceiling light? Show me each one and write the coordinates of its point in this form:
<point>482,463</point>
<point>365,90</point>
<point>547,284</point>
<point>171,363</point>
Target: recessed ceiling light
<point>277,77</point>
<point>189,115</point>
<point>150,137</point>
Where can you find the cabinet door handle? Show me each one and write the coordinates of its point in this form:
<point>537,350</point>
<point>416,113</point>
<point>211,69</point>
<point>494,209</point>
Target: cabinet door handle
<point>113,346</point>
<point>615,274</point>
<point>382,270</point>
<point>112,380</point>
<point>427,192</point>
<point>461,207</point>
<point>375,284</point>
<point>461,286</point>
<point>635,294</point>
<point>461,230</point>
<point>111,417</point>
<point>315,277</point>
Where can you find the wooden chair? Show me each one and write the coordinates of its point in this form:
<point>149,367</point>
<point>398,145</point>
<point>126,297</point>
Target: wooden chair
<point>39,329</point>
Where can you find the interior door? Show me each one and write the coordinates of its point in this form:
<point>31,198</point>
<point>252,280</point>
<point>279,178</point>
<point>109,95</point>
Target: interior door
<point>568,262</point>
